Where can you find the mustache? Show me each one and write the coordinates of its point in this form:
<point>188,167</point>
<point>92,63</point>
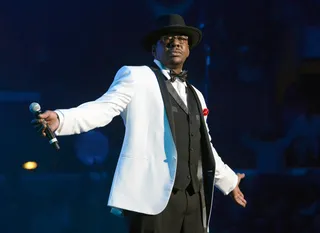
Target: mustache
<point>175,51</point>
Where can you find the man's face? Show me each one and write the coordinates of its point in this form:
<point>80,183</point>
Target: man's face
<point>172,50</point>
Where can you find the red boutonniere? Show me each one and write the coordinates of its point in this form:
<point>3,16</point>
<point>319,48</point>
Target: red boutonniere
<point>205,112</point>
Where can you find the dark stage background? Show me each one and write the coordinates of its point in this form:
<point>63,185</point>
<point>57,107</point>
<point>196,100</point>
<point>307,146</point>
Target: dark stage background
<point>258,66</point>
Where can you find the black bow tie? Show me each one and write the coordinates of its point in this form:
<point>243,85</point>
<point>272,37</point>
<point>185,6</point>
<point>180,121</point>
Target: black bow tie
<point>182,76</point>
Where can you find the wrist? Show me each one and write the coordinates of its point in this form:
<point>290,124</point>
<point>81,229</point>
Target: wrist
<point>57,116</point>
<point>60,122</point>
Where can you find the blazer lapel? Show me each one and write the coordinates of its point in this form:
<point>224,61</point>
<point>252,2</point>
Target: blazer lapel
<point>166,100</point>
<point>176,97</point>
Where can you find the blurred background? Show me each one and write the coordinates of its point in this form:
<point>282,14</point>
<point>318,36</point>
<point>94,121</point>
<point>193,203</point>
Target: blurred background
<point>258,67</point>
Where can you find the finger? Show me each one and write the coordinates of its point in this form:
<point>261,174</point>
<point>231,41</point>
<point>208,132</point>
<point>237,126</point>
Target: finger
<point>237,193</point>
<point>241,201</point>
<point>42,128</point>
<point>38,121</point>
<point>36,126</point>
<point>240,194</point>
<point>44,132</point>
<point>39,127</point>
<point>44,115</point>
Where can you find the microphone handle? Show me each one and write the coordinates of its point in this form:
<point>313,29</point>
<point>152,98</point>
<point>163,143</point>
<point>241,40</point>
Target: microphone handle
<point>50,135</point>
<point>52,138</point>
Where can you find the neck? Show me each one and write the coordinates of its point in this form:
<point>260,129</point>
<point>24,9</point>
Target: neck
<point>175,68</point>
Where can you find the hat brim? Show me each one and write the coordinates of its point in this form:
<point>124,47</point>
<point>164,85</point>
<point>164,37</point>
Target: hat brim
<point>194,34</point>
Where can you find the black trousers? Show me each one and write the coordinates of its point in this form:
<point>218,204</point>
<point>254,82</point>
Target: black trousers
<point>181,215</point>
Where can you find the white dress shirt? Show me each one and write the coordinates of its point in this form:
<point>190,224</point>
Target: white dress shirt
<point>178,85</point>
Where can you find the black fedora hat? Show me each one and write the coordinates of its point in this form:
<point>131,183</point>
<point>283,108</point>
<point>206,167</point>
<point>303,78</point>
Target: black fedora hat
<point>171,23</point>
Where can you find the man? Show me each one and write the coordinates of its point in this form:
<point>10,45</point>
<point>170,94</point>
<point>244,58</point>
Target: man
<point>164,178</point>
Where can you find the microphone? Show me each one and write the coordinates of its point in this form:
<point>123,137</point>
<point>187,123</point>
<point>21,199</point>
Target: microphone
<point>36,110</point>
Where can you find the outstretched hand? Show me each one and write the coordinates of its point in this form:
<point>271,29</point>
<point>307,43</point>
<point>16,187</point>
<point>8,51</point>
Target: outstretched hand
<point>44,120</point>
<point>236,193</point>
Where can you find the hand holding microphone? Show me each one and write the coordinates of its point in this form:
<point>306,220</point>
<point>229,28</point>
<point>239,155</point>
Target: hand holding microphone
<point>46,123</point>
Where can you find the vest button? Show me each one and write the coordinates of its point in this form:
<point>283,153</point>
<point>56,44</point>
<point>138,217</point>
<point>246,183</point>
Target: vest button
<point>191,149</point>
<point>192,134</point>
<point>189,177</point>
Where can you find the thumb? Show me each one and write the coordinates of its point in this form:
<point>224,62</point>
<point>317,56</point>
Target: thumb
<point>241,175</point>
<point>44,115</point>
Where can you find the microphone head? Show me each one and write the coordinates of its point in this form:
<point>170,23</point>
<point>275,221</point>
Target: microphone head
<point>34,108</point>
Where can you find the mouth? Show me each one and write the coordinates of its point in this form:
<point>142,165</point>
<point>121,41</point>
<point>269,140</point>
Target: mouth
<point>175,53</point>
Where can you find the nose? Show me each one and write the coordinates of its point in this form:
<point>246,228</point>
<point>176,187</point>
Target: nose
<point>174,43</point>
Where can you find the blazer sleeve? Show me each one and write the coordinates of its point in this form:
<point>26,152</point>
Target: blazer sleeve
<point>100,112</point>
<point>225,178</point>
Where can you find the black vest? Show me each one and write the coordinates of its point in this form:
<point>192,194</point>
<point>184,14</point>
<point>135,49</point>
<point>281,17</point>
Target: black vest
<point>205,156</point>
<point>188,142</point>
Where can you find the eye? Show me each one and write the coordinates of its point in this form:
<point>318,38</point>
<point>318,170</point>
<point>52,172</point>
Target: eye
<point>167,39</point>
<point>182,38</point>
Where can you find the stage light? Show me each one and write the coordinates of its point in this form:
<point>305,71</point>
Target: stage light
<point>30,165</point>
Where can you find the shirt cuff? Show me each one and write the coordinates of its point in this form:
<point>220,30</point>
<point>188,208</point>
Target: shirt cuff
<point>61,120</point>
<point>228,182</point>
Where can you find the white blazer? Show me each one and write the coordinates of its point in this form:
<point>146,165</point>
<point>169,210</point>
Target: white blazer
<point>146,167</point>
